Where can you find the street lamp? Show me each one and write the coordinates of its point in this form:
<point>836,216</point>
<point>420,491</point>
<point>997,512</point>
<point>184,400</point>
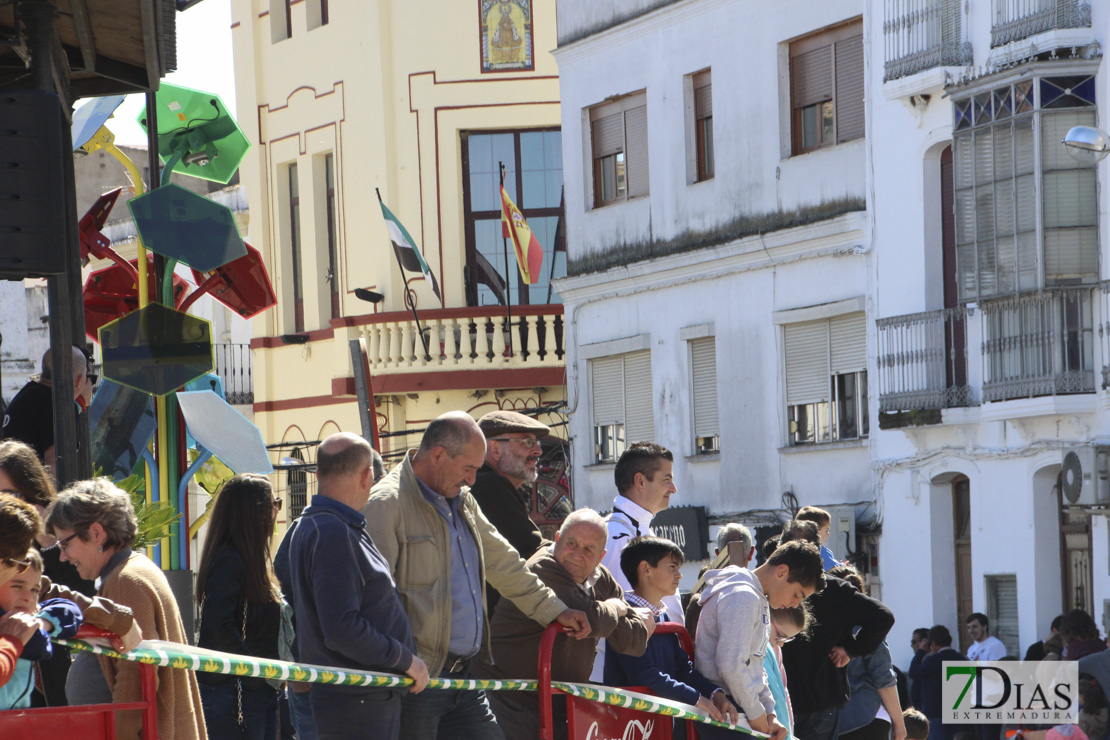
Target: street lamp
<point>1086,144</point>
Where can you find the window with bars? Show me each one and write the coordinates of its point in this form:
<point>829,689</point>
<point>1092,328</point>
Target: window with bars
<point>827,87</point>
<point>1026,212</point>
<point>619,141</point>
<point>621,397</point>
<point>703,124</point>
<point>703,389</point>
<point>826,379</point>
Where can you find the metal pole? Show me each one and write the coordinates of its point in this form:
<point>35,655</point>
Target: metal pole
<point>508,270</point>
<point>39,19</point>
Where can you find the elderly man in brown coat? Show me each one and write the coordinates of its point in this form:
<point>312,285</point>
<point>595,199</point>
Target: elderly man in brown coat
<point>572,569</point>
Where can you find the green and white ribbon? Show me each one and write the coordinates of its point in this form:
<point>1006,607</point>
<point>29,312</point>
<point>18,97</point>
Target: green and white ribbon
<point>176,655</point>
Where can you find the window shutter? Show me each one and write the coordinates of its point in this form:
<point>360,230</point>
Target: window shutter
<point>849,89</point>
<point>608,135</point>
<point>807,362</point>
<point>811,77</point>
<point>608,390</point>
<point>848,343</point>
<point>1070,202</point>
<point>639,424</point>
<point>1003,608</point>
<point>703,102</point>
<point>636,151</point>
<point>703,361</point>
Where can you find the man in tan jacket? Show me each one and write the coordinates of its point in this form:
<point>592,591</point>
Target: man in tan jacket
<point>442,551</point>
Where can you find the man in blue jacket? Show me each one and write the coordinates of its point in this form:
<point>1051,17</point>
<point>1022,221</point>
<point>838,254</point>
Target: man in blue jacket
<point>348,611</point>
<point>925,668</point>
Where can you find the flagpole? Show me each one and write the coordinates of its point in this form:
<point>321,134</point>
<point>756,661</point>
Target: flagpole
<point>508,272</point>
<point>410,297</point>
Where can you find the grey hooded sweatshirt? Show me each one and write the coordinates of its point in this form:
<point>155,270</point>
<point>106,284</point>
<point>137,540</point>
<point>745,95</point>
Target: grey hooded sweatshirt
<point>732,638</point>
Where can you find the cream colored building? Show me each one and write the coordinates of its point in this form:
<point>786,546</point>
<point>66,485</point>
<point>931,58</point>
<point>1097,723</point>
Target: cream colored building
<point>418,101</point>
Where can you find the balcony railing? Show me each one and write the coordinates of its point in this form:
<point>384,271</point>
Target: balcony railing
<point>1019,19</point>
<point>471,338</point>
<point>233,365</point>
<point>923,361</point>
<point>921,34</point>
<point>1038,344</point>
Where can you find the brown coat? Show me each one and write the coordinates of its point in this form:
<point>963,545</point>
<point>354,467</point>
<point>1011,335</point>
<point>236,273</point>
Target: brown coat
<point>516,640</point>
<point>139,584</point>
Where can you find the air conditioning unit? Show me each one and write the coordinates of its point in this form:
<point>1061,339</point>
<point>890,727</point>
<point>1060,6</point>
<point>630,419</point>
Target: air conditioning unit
<point>1085,476</point>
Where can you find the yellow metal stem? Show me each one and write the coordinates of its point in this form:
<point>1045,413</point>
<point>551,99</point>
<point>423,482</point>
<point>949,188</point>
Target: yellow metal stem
<point>140,188</point>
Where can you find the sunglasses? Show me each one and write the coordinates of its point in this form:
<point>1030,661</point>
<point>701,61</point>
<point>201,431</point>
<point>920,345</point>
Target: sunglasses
<point>530,442</point>
<point>19,565</point>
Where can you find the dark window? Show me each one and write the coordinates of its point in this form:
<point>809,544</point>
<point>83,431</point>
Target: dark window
<point>703,124</point>
<point>333,248</point>
<point>288,19</point>
<point>323,12</point>
<point>295,248</point>
<point>533,162</point>
<point>826,88</point>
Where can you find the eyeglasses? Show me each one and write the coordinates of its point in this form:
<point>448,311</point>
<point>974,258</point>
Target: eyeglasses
<point>63,544</point>
<point>528,442</point>
<point>19,565</point>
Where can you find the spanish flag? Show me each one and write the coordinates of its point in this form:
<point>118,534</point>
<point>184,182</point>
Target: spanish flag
<point>529,253</point>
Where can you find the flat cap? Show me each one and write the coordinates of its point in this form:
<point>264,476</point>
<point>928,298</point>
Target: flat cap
<point>510,422</point>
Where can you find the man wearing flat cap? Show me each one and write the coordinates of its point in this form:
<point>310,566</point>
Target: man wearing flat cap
<point>512,450</point>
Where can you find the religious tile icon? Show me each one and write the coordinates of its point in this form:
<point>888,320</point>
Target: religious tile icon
<point>507,39</point>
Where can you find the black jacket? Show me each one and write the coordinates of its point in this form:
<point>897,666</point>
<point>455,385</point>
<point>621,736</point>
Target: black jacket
<point>221,618</point>
<point>505,509</point>
<point>815,682</point>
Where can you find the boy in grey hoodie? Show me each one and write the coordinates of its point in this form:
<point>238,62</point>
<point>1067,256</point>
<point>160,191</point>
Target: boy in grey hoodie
<point>732,630</point>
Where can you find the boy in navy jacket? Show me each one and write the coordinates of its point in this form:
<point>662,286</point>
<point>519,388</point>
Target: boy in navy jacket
<point>651,565</point>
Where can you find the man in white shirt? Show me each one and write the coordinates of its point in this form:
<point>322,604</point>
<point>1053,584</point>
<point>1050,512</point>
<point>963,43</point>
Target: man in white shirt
<point>983,646</point>
<point>645,483</point>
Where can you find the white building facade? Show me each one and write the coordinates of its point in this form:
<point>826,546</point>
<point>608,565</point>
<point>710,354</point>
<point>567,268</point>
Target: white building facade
<point>746,271</point>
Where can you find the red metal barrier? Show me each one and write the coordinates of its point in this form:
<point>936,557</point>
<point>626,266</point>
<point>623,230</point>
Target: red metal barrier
<point>89,722</point>
<point>590,720</point>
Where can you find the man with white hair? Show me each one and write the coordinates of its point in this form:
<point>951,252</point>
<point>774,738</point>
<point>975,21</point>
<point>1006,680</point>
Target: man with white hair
<point>30,416</point>
<point>572,569</point>
<point>734,532</point>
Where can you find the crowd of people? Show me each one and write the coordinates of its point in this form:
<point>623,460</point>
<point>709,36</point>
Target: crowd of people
<point>434,569</point>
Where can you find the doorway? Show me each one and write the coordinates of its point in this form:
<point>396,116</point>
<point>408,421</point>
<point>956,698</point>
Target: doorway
<point>1075,557</point>
<point>961,510</point>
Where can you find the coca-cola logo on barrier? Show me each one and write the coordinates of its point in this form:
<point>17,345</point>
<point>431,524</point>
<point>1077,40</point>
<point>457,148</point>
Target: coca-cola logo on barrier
<point>634,730</point>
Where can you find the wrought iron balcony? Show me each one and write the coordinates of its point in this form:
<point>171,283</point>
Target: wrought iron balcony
<point>233,365</point>
<point>1019,19</point>
<point>923,361</point>
<point>472,338</point>
<point>1038,344</point>
<point>922,34</point>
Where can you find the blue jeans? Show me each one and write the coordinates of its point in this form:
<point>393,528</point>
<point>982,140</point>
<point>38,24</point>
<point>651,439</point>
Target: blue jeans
<point>448,715</point>
<point>373,714</point>
<point>221,711</point>
<point>820,725</point>
<point>300,711</point>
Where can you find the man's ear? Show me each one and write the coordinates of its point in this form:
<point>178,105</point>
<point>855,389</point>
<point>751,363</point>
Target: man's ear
<point>643,568</point>
<point>782,571</point>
